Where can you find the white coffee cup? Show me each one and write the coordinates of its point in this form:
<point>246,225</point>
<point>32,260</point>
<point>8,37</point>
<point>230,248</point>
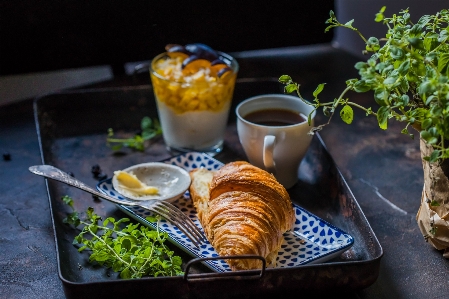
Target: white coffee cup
<point>279,147</point>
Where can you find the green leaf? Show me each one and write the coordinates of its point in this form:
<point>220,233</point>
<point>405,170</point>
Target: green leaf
<point>416,43</point>
<point>361,65</point>
<point>291,88</point>
<point>107,220</point>
<point>379,17</point>
<point>433,230</point>
<point>426,123</point>
<point>425,135</point>
<point>430,99</point>
<point>404,86</point>
<point>396,53</point>
<point>382,117</point>
<point>390,80</point>
<point>78,240</point>
<point>381,96</point>
<point>434,156</point>
<point>361,86</point>
<point>404,67</point>
<point>436,111</point>
<point>347,114</point>
<point>67,200</point>
<point>285,79</point>
<point>117,266</point>
<point>444,34</point>
<point>430,41</point>
<point>380,14</point>
<point>318,90</point>
<point>387,69</point>
<point>432,140</point>
<point>127,243</point>
<point>405,100</point>
<point>349,23</point>
<point>372,44</point>
<point>146,123</point>
<point>425,88</point>
<point>434,203</point>
<point>443,64</point>
<point>151,219</point>
<point>416,30</point>
<point>125,274</point>
<point>98,256</point>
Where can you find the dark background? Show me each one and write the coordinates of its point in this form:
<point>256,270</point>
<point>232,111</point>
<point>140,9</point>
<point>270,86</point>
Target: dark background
<point>48,35</point>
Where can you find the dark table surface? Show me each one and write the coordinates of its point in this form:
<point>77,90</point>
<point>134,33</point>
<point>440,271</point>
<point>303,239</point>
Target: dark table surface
<point>382,168</point>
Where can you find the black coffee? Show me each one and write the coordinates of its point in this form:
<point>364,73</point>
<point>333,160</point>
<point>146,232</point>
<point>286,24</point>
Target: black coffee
<point>275,117</point>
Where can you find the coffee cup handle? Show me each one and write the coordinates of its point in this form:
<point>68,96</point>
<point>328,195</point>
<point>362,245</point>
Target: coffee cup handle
<point>268,157</point>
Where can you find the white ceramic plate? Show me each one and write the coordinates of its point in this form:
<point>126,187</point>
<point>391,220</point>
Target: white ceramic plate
<point>312,239</point>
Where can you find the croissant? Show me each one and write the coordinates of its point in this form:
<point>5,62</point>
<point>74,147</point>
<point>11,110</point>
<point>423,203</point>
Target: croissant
<point>243,210</point>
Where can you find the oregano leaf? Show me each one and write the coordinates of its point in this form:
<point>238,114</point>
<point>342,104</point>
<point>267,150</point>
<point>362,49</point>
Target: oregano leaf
<point>434,203</point>
<point>443,64</point>
<point>349,23</point>
<point>382,117</point>
<point>291,88</point>
<point>133,250</point>
<point>347,114</point>
<point>285,79</point>
<point>319,89</point>
<point>434,156</point>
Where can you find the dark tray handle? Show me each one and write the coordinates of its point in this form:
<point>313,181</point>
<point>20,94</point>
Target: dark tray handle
<point>243,274</point>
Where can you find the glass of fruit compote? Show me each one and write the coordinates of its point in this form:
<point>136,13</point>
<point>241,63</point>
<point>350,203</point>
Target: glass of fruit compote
<point>193,86</point>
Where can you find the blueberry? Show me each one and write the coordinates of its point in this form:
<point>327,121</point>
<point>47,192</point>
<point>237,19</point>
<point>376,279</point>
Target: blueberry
<point>96,170</point>
<point>6,156</point>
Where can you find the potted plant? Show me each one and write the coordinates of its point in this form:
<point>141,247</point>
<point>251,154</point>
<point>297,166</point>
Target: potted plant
<point>407,71</point>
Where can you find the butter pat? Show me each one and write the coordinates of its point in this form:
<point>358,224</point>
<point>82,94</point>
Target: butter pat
<point>132,184</point>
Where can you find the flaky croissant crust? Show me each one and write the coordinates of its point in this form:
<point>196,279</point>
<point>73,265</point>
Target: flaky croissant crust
<point>246,212</point>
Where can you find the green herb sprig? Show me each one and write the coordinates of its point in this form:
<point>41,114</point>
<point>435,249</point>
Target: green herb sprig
<point>134,251</point>
<point>408,72</point>
<point>149,129</point>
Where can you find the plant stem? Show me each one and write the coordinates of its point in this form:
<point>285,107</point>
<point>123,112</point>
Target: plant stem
<point>107,246</point>
<point>105,228</point>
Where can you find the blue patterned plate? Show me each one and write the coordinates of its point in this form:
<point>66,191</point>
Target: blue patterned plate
<point>312,239</point>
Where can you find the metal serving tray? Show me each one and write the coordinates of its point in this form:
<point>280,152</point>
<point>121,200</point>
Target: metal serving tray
<point>72,128</point>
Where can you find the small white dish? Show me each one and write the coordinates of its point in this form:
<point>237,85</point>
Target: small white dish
<point>171,180</point>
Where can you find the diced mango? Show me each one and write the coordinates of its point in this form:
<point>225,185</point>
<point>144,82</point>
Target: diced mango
<point>194,88</point>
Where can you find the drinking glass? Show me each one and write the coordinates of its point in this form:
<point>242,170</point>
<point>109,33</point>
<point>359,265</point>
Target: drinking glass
<point>193,108</point>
